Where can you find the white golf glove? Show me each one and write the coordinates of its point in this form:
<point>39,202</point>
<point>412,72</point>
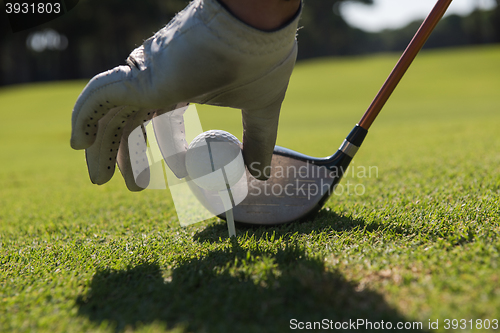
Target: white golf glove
<point>204,55</point>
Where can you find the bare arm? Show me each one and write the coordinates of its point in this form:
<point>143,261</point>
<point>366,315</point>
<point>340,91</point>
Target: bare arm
<point>263,14</point>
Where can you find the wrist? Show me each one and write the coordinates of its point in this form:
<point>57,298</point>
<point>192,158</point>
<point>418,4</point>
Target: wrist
<point>266,15</point>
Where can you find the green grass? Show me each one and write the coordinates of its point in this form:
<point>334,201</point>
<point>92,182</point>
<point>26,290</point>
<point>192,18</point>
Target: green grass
<point>421,243</point>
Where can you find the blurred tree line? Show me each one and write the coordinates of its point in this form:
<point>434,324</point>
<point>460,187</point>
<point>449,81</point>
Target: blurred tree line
<point>98,35</point>
<point>479,27</point>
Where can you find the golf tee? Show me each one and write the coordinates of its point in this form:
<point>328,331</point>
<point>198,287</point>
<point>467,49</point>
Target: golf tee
<point>225,196</point>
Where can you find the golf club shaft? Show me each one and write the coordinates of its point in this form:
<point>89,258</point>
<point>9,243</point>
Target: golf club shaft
<point>404,62</point>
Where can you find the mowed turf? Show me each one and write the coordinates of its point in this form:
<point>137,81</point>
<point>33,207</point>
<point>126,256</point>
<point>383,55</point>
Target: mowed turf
<point>411,236</point>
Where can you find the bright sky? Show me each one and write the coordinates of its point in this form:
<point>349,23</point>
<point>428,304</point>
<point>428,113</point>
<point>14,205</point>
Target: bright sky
<point>397,13</point>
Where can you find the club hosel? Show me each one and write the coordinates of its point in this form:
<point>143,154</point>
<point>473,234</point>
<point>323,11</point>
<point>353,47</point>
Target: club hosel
<point>357,135</point>
<point>353,141</point>
<point>340,161</point>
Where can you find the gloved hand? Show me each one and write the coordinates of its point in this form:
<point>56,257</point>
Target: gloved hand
<point>204,55</point>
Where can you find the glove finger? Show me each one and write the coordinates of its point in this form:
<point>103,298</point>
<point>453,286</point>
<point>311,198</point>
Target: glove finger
<point>260,129</point>
<point>103,93</point>
<point>132,156</point>
<point>101,156</point>
<point>170,134</point>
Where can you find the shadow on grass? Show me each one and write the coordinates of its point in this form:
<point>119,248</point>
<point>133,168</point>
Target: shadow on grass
<point>323,221</point>
<point>231,290</point>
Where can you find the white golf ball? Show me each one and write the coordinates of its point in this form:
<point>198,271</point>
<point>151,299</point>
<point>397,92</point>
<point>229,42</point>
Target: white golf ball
<point>214,160</point>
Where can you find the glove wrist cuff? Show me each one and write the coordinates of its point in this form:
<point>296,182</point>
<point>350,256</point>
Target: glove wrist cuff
<point>237,34</point>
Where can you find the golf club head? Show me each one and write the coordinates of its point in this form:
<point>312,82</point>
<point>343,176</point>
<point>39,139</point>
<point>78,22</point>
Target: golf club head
<point>299,184</point>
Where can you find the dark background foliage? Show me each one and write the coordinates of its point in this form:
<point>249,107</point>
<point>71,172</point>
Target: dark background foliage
<point>101,34</point>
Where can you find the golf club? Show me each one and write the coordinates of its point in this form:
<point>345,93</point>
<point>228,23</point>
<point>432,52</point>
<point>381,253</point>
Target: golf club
<point>300,185</point>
